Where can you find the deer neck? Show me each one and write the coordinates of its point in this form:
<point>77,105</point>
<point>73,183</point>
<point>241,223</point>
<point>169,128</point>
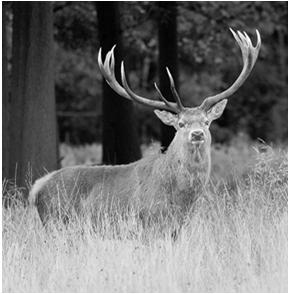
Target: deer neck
<point>189,164</point>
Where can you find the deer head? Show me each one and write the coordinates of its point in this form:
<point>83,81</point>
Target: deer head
<point>191,123</point>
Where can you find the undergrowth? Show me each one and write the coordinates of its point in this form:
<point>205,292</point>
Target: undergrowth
<point>235,239</point>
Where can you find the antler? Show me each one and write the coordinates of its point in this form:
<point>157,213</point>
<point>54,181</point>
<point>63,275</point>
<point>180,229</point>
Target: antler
<point>108,72</point>
<point>249,56</point>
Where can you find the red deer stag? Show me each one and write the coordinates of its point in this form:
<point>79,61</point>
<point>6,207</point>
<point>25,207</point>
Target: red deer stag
<point>157,183</point>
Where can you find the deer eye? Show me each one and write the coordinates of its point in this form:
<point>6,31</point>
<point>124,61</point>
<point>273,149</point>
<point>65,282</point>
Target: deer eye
<point>206,122</point>
<point>181,124</point>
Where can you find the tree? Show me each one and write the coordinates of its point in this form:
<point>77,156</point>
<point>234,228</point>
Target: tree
<point>119,136</point>
<point>5,96</point>
<point>167,38</point>
<point>33,143</point>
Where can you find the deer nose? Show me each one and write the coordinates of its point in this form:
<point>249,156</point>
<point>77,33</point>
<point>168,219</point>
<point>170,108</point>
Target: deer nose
<point>197,136</point>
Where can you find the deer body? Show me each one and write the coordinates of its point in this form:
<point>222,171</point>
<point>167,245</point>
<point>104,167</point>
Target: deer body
<point>156,185</point>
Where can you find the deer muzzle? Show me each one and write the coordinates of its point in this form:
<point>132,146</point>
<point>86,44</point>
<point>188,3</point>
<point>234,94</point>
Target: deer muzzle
<point>197,137</point>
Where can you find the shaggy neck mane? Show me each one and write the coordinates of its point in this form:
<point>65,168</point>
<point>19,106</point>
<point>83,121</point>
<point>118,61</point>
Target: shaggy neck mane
<point>184,167</point>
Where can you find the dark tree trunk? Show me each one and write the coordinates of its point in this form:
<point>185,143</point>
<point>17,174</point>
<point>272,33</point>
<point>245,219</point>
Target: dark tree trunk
<point>5,97</point>
<point>33,147</point>
<point>167,38</point>
<point>119,132</point>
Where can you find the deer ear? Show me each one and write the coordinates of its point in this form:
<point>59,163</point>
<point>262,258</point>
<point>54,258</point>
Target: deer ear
<point>217,110</point>
<point>166,117</point>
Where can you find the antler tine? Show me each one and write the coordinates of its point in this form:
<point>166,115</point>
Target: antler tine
<point>142,100</point>
<point>174,91</point>
<point>108,72</point>
<point>249,56</point>
<point>169,104</point>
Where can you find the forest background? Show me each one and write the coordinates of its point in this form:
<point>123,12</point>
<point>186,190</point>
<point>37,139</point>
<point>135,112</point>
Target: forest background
<point>53,91</point>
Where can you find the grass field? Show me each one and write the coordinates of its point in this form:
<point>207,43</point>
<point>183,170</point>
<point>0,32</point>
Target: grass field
<point>236,239</point>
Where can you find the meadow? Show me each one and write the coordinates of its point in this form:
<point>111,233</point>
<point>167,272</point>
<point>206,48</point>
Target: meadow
<point>234,240</point>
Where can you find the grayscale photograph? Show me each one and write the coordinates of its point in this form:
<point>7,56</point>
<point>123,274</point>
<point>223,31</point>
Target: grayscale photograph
<point>144,146</point>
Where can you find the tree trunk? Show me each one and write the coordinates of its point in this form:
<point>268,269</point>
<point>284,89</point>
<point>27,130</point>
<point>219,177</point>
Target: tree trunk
<point>119,132</point>
<point>5,96</point>
<point>33,141</point>
<point>167,38</point>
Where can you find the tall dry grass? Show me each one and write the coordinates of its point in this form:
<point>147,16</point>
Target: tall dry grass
<point>235,239</point>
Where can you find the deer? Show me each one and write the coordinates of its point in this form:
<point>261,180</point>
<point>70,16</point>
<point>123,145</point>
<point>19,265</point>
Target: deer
<point>157,185</point>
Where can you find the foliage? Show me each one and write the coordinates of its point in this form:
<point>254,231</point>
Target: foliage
<point>209,61</point>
